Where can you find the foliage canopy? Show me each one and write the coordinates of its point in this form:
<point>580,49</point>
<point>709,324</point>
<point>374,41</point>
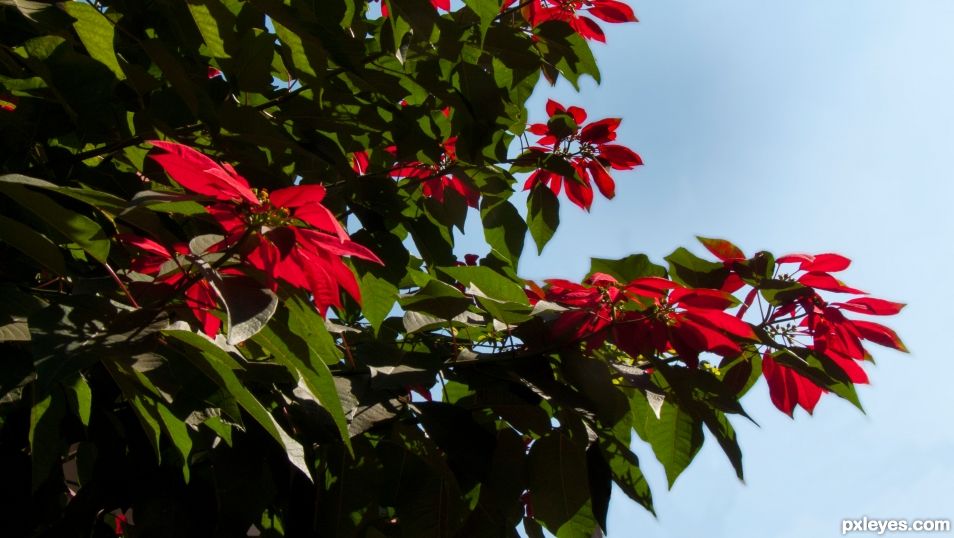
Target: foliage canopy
<point>232,297</point>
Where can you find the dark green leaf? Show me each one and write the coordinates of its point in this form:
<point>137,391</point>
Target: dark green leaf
<point>558,480</point>
<point>304,361</point>
<point>543,215</point>
<point>73,226</point>
<point>628,268</point>
<point>221,368</point>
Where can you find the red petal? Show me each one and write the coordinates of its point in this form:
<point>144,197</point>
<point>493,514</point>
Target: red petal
<point>851,368</point>
<point>826,263</point>
<point>315,240</point>
<point>200,174</point>
<point>600,132</point>
<point>795,258</point>
<point>620,157</point>
<point>879,334</point>
<point>577,113</point>
<point>723,321</point>
<point>539,129</point>
<point>588,29</point>
<point>824,281</point>
<point>872,306</point>
<point>613,11</point>
<point>701,298</point>
<point>788,388</point>
<point>553,107</point>
<point>603,181</point>
<point>145,244</point>
<point>360,162</point>
<point>579,193</point>
<point>200,300</point>
<point>653,287</point>
<point>297,196</point>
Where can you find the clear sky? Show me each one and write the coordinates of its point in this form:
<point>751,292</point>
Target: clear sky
<point>791,126</point>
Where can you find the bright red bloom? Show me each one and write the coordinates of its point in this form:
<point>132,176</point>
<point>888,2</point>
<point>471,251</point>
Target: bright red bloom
<point>588,150</point>
<point>686,320</point>
<point>159,262</point>
<point>437,178</point>
<point>291,236</point>
<point>573,12</point>
<point>648,316</point>
<point>833,336</point>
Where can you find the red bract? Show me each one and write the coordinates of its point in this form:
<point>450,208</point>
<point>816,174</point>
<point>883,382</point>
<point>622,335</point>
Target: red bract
<point>199,295</point>
<point>573,12</point>
<point>287,234</point>
<point>588,150</point>
<point>788,388</point>
<point>438,177</point>
<point>817,268</point>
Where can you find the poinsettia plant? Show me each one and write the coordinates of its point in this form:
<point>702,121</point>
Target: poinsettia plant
<point>234,303</point>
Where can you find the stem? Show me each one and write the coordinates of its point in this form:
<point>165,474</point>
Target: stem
<point>122,286</point>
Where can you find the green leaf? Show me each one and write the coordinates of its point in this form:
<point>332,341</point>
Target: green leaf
<point>504,229</point>
<point>822,372</point>
<point>675,436</point>
<point>558,479</point>
<point>303,361</point>
<point>208,24</point>
<point>486,10</point>
<point>543,215</point>
<point>46,440</point>
<point>247,305</point>
<point>80,398</point>
<point>75,227</point>
<point>97,34</point>
<point>33,244</point>
<point>305,322</point>
<point>490,282</point>
<point>624,466</point>
<point>690,270</point>
<point>720,427</point>
<point>627,269</point>
<point>218,366</point>
<point>377,298</point>
<point>437,298</point>
<point>305,56</point>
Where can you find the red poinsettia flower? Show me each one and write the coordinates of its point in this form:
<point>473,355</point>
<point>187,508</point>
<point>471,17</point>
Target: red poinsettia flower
<point>685,320</point>
<point>648,316</point>
<point>823,328</point>
<point>589,151</point>
<point>574,12</point>
<point>290,235</point>
<point>154,260</point>
<point>438,177</point>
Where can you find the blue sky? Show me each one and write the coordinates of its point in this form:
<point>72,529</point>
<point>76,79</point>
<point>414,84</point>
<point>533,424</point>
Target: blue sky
<point>791,126</point>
